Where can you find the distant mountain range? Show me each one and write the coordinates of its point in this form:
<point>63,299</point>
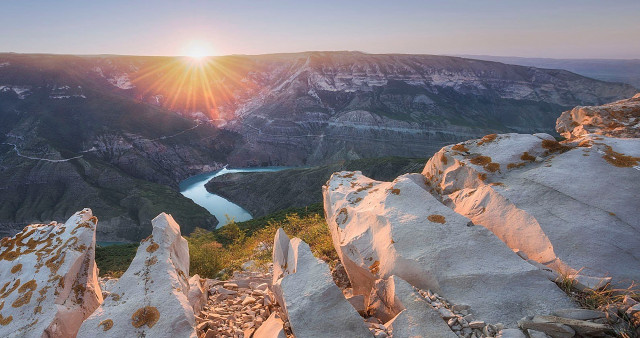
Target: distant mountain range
<point>614,70</point>
<point>117,133</point>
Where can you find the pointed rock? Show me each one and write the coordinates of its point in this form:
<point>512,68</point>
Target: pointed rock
<point>151,297</point>
<point>48,278</point>
<point>308,296</point>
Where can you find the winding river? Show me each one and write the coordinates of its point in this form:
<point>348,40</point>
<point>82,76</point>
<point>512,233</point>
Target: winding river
<point>223,209</point>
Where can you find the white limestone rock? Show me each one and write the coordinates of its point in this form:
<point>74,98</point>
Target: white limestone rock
<point>151,297</point>
<point>398,228</point>
<point>574,211</point>
<point>309,298</point>
<point>197,295</point>
<point>48,278</point>
<point>411,315</point>
<point>616,119</point>
<point>273,327</point>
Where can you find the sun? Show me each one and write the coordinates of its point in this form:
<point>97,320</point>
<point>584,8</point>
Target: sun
<point>198,50</point>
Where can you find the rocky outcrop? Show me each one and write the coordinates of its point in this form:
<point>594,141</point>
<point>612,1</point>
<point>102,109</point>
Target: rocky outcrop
<point>49,278</point>
<point>152,297</point>
<point>307,294</point>
<point>380,229</point>
<point>617,119</point>
<point>538,196</point>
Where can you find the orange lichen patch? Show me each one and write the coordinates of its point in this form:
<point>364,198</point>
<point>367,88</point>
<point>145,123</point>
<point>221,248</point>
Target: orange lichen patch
<point>37,309</point>
<point>482,176</point>
<point>342,216</point>
<point>23,299</point>
<point>10,255</point>
<point>526,157</point>
<point>16,268</point>
<point>151,261</point>
<point>459,147</point>
<point>55,262</point>
<point>585,143</point>
<point>150,237</point>
<point>516,165</point>
<point>365,187</point>
<point>435,218</point>
<point>147,315</point>
<point>88,224</point>
<point>5,321</point>
<point>355,201</point>
<point>349,175</point>
<point>487,139</point>
<point>375,267</point>
<point>394,191</point>
<point>30,285</point>
<point>78,291</point>
<point>106,324</point>
<point>115,297</point>
<point>6,292</point>
<point>619,159</point>
<point>153,247</point>
<point>480,160</point>
<point>553,146</point>
<point>443,159</point>
<point>612,213</point>
<point>497,184</point>
<point>492,167</point>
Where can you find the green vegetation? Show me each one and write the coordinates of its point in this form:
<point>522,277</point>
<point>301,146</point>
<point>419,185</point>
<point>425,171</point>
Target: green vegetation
<point>220,252</point>
<point>113,260</point>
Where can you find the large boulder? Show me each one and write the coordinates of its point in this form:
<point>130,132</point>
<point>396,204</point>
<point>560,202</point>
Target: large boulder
<point>307,294</point>
<point>380,229</point>
<point>571,207</point>
<point>48,278</point>
<point>151,297</point>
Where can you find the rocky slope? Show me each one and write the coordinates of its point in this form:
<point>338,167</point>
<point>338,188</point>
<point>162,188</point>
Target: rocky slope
<point>274,191</point>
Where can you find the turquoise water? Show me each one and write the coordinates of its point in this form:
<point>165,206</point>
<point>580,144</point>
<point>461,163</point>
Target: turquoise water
<point>223,209</point>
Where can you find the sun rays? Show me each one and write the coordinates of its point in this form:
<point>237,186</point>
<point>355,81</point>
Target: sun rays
<point>195,83</point>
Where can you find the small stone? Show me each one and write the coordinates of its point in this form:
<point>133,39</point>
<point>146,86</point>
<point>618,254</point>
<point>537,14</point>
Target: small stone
<point>230,285</point>
<point>477,324</point>
<point>446,313</point>
<point>459,307</point>
<point>248,300</point>
<point>511,333</point>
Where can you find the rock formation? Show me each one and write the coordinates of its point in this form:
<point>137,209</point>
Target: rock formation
<point>567,206</point>
<point>617,119</point>
<point>492,222</point>
<point>152,297</point>
<point>49,278</point>
<point>398,228</point>
<point>307,294</point>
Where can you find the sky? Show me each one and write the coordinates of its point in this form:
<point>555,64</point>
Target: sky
<point>535,28</point>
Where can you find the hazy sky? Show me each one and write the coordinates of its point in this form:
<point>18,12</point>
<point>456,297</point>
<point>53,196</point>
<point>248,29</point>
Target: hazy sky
<point>535,28</point>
